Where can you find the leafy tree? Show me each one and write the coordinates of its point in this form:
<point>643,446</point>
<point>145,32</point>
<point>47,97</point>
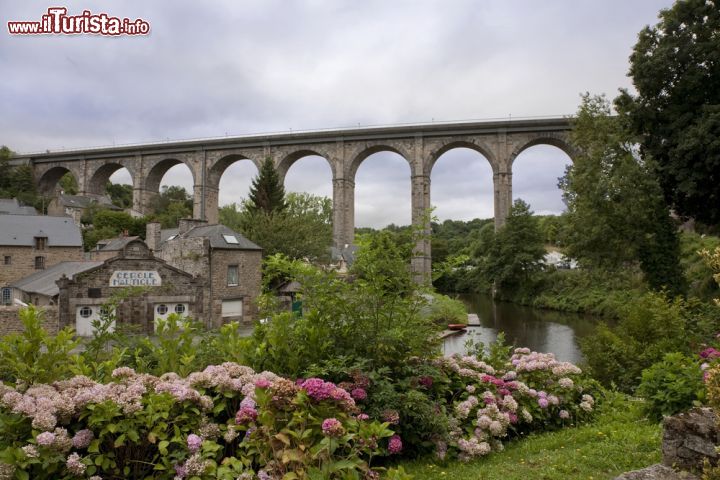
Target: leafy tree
<point>121,195</point>
<point>109,224</point>
<point>676,112</point>
<point>172,204</point>
<point>69,184</point>
<point>18,182</point>
<point>387,262</point>
<point>516,250</point>
<point>267,193</point>
<point>302,230</point>
<point>616,215</point>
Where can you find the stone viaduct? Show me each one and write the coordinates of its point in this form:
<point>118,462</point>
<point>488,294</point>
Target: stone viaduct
<point>421,145</point>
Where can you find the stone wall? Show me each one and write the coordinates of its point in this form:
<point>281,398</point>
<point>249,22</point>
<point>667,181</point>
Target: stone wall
<point>248,288</point>
<point>689,438</point>
<point>22,261</point>
<point>10,320</point>
<point>187,254</point>
<point>176,287</point>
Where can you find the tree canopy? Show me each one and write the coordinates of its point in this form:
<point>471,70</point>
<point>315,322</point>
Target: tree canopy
<point>516,250</point>
<point>267,193</point>
<point>675,67</point>
<point>616,215</point>
<point>303,229</point>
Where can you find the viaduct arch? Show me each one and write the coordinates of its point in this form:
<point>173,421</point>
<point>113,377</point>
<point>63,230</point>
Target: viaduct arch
<point>500,142</point>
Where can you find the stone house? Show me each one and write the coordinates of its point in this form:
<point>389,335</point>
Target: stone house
<point>228,264</point>
<point>29,243</point>
<point>11,206</point>
<point>164,290</point>
<point>75,205</point>
<point>40,288</point>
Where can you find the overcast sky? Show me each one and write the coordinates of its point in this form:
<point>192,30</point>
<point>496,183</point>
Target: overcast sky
<point>231,67</point>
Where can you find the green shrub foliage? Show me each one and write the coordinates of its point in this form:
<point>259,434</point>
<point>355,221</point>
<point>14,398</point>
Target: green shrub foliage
<point>672,385</point>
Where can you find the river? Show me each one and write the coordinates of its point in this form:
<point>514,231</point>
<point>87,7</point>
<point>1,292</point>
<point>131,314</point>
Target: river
<point>539,330</point>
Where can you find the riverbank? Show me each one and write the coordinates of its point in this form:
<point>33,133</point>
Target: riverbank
<point>620,439</point>
<point>604,293</point>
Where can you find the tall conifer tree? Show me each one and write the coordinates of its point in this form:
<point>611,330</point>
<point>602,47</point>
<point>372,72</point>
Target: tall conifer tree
<point>267,194</point>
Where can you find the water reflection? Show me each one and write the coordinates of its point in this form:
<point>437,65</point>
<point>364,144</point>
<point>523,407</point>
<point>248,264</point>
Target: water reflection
<point>540,330</point>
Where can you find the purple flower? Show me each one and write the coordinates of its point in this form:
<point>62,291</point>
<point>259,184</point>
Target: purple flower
<point>262,383</point>
<point>359,394</point>
<point>318,389</point>
<point>245,415</point>
<point>82,439</point>
<point>332,427</point>
<point>710,352</point>
<point>543,402</point>
<point>194,442</point>
<point>395,444</point>
<point>391,416</point>
<point>426,381</point>
<point>363,416</point>
<point>564,414</point>
<point>74,465</point>
<point>46,439</point>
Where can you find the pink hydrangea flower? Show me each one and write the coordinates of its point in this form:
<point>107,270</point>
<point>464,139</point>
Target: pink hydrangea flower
<point>245,415</point>
<point>194,442</point>
<point>395,444</point>
<point>83,438</point>
<point>332,427</point>
<point>359,394</point>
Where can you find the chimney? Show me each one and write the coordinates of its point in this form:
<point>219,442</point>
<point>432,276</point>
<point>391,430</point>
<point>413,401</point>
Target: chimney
<point>187,224</point>
<point>152,236</point>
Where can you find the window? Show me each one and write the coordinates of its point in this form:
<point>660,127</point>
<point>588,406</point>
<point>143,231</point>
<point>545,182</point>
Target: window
<point>232,239</point>
<point>232,308</point>
<point>85,312</point>
<point>162,309</point>
<point>179,308</point>
<point>6,294</point>
<point>40,243</point>
<point>94,292</point>
<point>39,263</point>
<point>8,260</point>
<point>232,276</point>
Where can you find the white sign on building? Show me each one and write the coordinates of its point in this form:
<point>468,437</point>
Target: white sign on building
<point>135,278</point>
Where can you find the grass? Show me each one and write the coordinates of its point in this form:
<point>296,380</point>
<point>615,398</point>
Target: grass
<point>620,439</point>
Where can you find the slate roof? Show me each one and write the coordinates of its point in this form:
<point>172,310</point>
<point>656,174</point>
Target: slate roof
<point>21,230</point>
<point>81,201</point>
<point>44,281</point>
<point>117,243</point>
<point>347,253</point>
<point>215,234</point>
<point>11,206</point>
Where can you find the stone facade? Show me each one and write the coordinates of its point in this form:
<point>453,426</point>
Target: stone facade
<point>22,260</point>
<point>201,256</point>
<point>10,320</point>
<point>93,288</point>
<point>249,265</point>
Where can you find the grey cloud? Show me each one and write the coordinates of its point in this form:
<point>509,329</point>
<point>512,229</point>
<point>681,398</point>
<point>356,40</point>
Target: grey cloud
<point>236,67</point>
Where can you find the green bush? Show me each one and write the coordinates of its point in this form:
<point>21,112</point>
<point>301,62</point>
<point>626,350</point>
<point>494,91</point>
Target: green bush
<point>374,317</point>
<point>647,329</point>
<point>444,310</point>
<point>220,423</point>
<point>35,356</point>
<point>672,385</point>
